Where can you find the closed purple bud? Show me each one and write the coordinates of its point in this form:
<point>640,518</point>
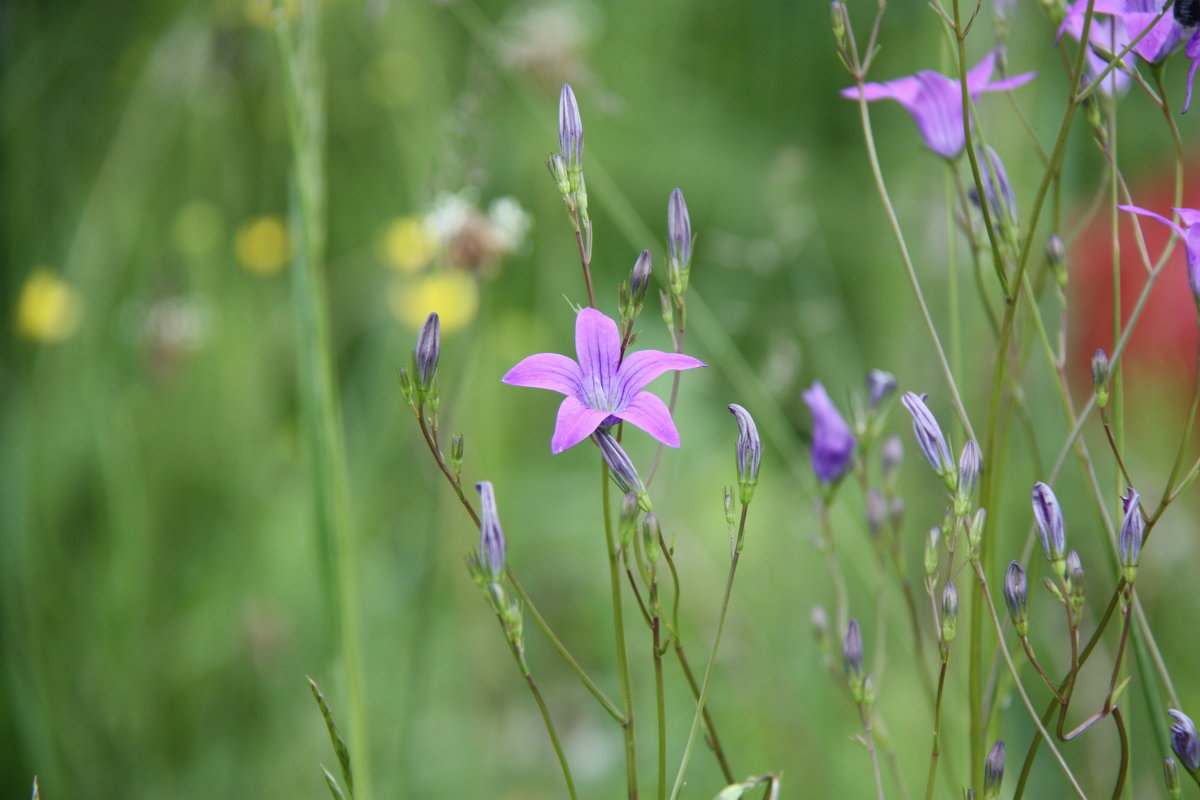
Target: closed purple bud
<point>491,536</point>
<point>1184,741</point>
<point>949,612</point>
<point>570,128</point>
<point>1133,529</point>
<point>880,386</point>
<point>1075,579</point>
<point>892,456</point>
<point>997,189</point>
<point>832,441</point>
<point>1050,522</point>
<point>428,349</point>
<point>639,279</point>
<point>929,435</point>
<point>749,452</point>
<point>679,242</point>
<point>621,467</point>
<point>993,771</point>
<point>852,659</point>
<point>1016,597</point>
<point>968,469</point>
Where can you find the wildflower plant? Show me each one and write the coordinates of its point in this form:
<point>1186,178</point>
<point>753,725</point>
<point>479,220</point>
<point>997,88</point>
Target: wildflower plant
<point>966,612</point>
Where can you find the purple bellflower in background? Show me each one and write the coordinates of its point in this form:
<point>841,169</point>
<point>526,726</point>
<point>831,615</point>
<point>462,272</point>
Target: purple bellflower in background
<point>935,101</point>
<point>1189,232</point>
<point>602,388</point>
<point>832,441</point>
<point>1106,34</point>
<point>1162,32</point>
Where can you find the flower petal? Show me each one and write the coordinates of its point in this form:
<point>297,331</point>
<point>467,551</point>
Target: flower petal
<point>1147,213</point>
<point>574,424</point>
<point>1190,216</point>
<point>546,371</point>
<point>979,75</point>
<point>1192,51</point>
<point>651,415</point>
<point>638,369</point>
<point>938,113</point>
<point>598,345</point>
<point>902,90</point>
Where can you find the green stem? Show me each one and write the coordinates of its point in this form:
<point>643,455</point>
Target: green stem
<point>712,659</point>
<point>937,734</point>
<point>299,51</point>
<point>865,716</point>
<point>619,629</point>
<point>541,704</point>
<point>659,694</point>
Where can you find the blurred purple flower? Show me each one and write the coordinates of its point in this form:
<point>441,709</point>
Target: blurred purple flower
<point>935,101</point>
<point>832,441</point>
<point>1105,34</point>
<point>602,387</point>
<point>1162,32</point>
<point>1189,232</point>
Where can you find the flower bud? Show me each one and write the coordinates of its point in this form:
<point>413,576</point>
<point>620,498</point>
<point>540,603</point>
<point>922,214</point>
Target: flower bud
<point>892,457</point>
<point>949,612</point>
<point>558,170</point>
<point>880,386</point>
<point>968,475</point>
<point>852,660</point>
<point>1184,741</point>
<point>628,521</point>
<point>639,278</point>
<point>975,530</point>
<point>929,436</point>
<point>896,513</point>
<point>749,453</point>
<point>876,511</point>
<point>1133,529</point>
<point>668,308</point>
<point>1049,519</point>
<point>837,19</point>
<point>730,516</point>
<point>621,467</point>
<point>1100,374</point>
<point>1171,777</point>
<point>570,129</point>
<point>650,533</point>
<point>1016,598</point>
<point>491,536</point>
<point>679,243</point>
<point>1074,576</point>
<point>427,350</point>
<point>996,188</point>
<point>993,771</point>
<point>1056,257</point>
<point>931,550</point>
<point>456,454</point>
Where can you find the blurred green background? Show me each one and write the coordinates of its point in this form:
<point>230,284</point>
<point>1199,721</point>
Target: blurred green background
<point>161,587</point>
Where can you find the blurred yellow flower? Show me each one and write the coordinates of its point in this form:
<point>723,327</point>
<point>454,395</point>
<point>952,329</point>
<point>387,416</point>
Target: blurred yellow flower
<point>408,245</point>
<point>49,309</point>
<point>453,295</point>
<point>262,245</point>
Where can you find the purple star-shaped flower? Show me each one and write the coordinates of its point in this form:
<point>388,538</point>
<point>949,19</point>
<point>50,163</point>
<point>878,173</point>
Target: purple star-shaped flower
<point>935,101</point>
<point>1189,232</point>
<point>602,388</point>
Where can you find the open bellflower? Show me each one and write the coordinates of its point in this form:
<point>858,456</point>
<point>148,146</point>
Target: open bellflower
<point>602,388</point>
<point>935,101</point>
<point>1189,232</point>
<point>832,441</point>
